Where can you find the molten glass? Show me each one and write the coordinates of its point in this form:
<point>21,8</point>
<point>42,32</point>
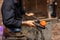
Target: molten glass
<point>43,23</point>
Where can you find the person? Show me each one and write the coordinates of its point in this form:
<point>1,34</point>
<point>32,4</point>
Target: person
<point>12,12</point>
<point>54,6</point>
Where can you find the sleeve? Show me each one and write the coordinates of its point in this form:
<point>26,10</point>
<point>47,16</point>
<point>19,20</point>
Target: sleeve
<point>8,15</point>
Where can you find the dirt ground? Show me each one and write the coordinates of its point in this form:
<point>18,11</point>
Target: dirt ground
<point>56,31</point>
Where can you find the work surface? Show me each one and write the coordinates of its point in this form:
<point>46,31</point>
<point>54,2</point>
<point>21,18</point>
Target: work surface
<point>51,33</point>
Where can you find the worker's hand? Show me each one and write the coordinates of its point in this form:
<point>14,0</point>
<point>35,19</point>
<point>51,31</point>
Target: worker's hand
<point>28,23</point>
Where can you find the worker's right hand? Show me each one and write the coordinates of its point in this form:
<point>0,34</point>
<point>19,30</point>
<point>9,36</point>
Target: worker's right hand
<point>28,23</point>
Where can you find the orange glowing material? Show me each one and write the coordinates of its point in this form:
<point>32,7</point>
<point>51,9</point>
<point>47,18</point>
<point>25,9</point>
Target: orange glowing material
<point>43,23</point>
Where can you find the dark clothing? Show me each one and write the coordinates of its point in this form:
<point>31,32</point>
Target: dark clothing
<point>11,13</point>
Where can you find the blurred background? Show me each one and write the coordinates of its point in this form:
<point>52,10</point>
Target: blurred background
<point>46,9</point>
